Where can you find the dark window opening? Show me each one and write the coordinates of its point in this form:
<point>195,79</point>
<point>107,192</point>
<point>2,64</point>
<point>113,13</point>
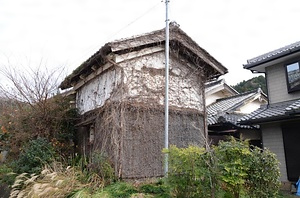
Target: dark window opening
<point>293,76</point>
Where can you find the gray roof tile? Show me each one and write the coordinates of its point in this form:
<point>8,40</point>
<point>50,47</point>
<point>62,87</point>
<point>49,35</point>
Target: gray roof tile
<point>272,112</point>
<point>293,107</point>
<point>211,85</point>
<point>273,55</point>
<point>229,104</point>
<point>222,111</point>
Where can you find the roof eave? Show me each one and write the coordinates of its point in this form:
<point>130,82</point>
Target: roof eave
<point>260,66</point>
<point>269,119</point>
<point>216,69</point>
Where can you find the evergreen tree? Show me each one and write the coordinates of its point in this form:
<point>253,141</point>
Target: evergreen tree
<point>251,84</point>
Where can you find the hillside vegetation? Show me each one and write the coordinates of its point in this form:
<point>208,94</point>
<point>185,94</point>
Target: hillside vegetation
<point>251,84</point>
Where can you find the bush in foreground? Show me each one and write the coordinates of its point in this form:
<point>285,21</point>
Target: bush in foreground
<point>230,169</point>
<point>35,155</point>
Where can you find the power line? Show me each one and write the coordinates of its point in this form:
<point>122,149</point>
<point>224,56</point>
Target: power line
<point>89,49</point>
<point>132,22</point>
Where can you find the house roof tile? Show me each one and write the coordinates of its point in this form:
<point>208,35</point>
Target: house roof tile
<point>272,112</point>
<point>294,47</point>
<point>230,103</point>
<point>293,107</point>
<point>222,111</point>
<point>209,86</point>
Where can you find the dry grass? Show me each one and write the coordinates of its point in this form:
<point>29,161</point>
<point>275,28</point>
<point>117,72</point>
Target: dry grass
<point>54,181</point>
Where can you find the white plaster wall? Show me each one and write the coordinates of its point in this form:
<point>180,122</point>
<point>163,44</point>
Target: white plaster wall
<point>144,81</point>
<point>272,139</point>
<point>251,106</point>
<point>94,94</point>
<point>144,78</point>
<point>209,99</point>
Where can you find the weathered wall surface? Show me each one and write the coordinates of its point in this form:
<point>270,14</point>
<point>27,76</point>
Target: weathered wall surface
<point>133,137</point>
<point>129,126</point>
<point>96,92</point>
<point>145,82</point>
<point>144,140</point>
<point>142,80</point>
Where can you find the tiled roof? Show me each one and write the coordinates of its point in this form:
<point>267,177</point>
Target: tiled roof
<point>222,111</point>
<point>272,112</point>
<point>293,107</point>
<point>229,104</point>
<point>294,47</point>
<point>226,118</point>
<point>209,86</point>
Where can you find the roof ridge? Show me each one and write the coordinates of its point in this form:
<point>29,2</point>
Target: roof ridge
<point>172,27</point>
<point>273,55</point>
<point>178,37</point>
<point>274,52</point>
<point>228,105</point>
<point>237,95</point>
<point>213,83</point>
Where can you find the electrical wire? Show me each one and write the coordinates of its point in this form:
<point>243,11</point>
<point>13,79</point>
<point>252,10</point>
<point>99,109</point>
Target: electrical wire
<point>89,49</point>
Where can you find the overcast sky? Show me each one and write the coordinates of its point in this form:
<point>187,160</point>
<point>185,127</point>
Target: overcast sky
<point>64,33</point>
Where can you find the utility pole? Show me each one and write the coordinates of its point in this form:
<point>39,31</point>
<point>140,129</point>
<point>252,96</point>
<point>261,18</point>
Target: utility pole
<point>166,168</point>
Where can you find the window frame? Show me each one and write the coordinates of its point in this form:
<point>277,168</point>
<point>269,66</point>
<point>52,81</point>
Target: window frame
<point>291,90</point>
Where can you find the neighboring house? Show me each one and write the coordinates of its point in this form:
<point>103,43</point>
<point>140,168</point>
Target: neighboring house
<point>217,89</point>
<point>279,120</point>
<point>120,96</point>
<point>224,112</point>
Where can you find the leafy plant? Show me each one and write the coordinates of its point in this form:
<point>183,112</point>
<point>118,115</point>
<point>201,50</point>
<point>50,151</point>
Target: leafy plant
<point>263,175</point>
<point>35,155</point>
<point>7,176</point>
<point>233,159</point>
<point>232,169</point>
<point>190,173</point>
<point>101,165</point>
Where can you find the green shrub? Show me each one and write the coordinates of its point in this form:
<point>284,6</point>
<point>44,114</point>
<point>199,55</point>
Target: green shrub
<point>263,175</point>
<point>230,170</point>
<point>37,153</point>
<point>233,162</point>
<point>101,165</point>
<point>7,176</point>
<point>190,172</point>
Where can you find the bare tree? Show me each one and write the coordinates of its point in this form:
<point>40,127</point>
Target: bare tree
<point>38,110</point>
<point>31,86</point>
